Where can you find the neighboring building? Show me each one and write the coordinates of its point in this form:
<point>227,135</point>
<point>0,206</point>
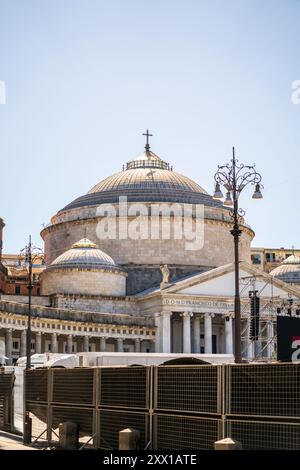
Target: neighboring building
<point>17,274</point>
<point>141,293</point>
<point>269,258</point>
<point>3,277</point>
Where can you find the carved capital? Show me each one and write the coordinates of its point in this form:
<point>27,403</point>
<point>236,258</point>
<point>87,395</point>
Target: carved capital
<point>209,315</point>
<point>187,314</point>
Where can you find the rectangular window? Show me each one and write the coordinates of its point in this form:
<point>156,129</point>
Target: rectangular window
<point>256,259</point>
<point>16,345</point>
<point>17,290</point>
<point>270,257</point>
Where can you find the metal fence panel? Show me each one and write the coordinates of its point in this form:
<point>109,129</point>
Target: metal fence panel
<point>6,400</point>
<point>195,389</point>
<point>36,385</point>
<point>124,387</point>
<point>264,435</point>
<point>110,422</point>
<point>264,390</point>
<point>181,432</point>
<point>39,415</point>
<point>73,386</point>
<point>83,417</point>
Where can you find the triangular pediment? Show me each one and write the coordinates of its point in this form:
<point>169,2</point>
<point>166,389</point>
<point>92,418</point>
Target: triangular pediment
<point>220,282</point>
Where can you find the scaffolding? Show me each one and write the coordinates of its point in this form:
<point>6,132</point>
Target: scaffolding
<point>264,347</point>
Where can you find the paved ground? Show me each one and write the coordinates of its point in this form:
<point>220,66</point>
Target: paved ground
<point>12,442</point>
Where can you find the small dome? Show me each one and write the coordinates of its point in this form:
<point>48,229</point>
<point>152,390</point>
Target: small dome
<point>84,254</point>
<point>288,271</point>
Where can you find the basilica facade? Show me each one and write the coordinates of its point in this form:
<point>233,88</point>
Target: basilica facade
<point>143,263</point>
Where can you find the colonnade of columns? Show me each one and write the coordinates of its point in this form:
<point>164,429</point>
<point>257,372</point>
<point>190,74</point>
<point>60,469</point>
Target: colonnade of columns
<point>53,340</point>
<point>192,324</point>
<point>191,332</point>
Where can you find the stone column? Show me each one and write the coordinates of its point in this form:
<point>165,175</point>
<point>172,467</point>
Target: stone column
<point>120,345</point>
<point>38,342</point>
<point>23,343</point>
<point>197,337</point>
<point>137,345</point>
<point>69,344</point>
<point>208,333</point>
<point>186,325</point>
<point>270,336</point>
<point>86,343</point>
<point>54,343</point>
<point>158,322</point>
<point>103,344</point>
<point>166,332</point>
<point>8,345</point>
<point>228,335</point>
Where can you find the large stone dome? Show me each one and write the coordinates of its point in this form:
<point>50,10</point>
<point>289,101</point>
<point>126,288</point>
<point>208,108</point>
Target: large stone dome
<point>288,271</point>
<point>147,178</point>
<point>150,181</point>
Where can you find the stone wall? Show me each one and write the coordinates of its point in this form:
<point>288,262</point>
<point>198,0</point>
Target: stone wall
<point>217,249</point>
<point>112,305</point>
<point>35,299</point>
<point>71,281</point>
<point>144,277</point>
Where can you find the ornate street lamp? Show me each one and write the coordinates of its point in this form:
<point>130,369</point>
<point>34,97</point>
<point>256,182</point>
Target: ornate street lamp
<point>27,257</point>
<point>234,177</point>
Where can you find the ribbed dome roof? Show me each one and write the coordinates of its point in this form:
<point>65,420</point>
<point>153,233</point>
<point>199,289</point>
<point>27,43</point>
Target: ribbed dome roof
<point>84,254</point>
<point>146,178</point>
<point>288,271</point>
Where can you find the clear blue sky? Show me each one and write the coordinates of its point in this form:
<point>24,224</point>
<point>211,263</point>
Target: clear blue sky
<point>84,79</point>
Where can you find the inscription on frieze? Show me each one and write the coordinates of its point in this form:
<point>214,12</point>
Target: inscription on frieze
<point>198,303</point>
